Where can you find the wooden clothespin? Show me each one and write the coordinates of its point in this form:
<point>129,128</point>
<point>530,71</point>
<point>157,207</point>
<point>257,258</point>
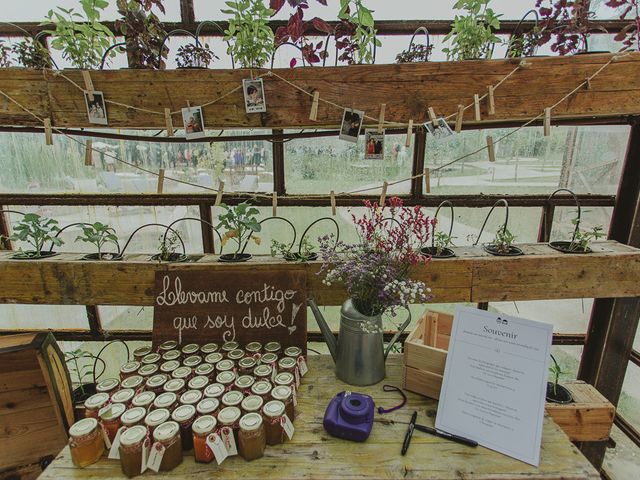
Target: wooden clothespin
<point>88,85</point>
<point>547,122</point>
<point>383,107</point>
<point>274,204</point>
<point>314,106</point>
<point>492,102</point>
<point>383,195</point>
<point>333,203</point>
<point>432,116</point>
<point>160,180</point>
<point>169,122</point>
<point>524,64</point>
<point>407,142</point>
<point>459,118</point>
<point>427,181</point>
<point>587,83</point>
<point>219,194</point>
<point>491,149</point>
<point>48,132</point>
<point>88,153</point>
<point>476,107</point>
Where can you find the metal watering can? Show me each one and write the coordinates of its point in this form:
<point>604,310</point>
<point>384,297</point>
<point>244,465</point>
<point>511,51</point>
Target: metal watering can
<point>358,351</point>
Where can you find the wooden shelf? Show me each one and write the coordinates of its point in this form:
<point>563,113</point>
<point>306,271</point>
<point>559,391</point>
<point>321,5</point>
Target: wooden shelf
<point>612,270</point>
<point>406,89</point>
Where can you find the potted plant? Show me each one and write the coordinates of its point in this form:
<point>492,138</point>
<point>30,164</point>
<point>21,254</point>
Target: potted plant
<point>195,56</point>
<point>83,373</point>
<point>100,234</point>
<point>36,231</point>
<point>30,53</point>
<point>525,44</point>
<point>241,226</point>
<point>556,393</point>
<point>143,32</point>
<point>416,52</point>
<point>355,35</point>
<point>472,36</point>
<point>81,38</point>
<point>168,244</point>
<point>249,35</point>
<point>440,241</point>
<point>306,251</point>
<point>5,58</point>
<point>502,244</point>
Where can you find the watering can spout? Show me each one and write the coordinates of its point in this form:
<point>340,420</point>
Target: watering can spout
<point>328,335</point>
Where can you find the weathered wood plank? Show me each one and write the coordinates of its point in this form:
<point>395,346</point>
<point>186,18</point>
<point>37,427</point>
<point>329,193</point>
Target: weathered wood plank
<point>406,89</point>
<point>313,454</point>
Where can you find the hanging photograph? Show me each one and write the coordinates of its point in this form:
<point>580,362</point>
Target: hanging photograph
<point>254,100</point>
<point>96,108</point>
<point>374,144</point>
<point>193,122</point>
<point>440,130</point>
<point>351,125</point>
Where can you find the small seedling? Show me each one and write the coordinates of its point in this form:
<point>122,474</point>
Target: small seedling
<point>503,240</point>
<point>442,241</point>
<point>306,252</point>
<point>168,246</point>
<point>583,238</point>
<point>240,224</point>
<point>36,231</point>
<point>78,368</point>
<point>555,371</point>
<point>98,234</point>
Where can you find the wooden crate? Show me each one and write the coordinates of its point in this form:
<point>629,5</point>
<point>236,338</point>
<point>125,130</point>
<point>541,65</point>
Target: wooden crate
<point>35,403</point>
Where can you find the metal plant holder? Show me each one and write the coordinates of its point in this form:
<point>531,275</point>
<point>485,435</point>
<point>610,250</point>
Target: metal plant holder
<point>432,251</point>
<point>175,257</point>
<point>490,247</point>
<point>568,246</point>
<point>297,257</point>
<point>518,36</point>
<point>196,219</point>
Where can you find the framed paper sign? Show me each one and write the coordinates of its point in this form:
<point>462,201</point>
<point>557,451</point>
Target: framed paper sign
<point>203,306</point>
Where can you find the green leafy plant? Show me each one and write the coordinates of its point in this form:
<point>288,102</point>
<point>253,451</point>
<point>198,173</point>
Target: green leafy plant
<point>32,54</point>
<point>168,246</point>
<point>240,224</point>
<point>143,31</point>
<point>99,235</point>
<point>416,53</point>
<point>441,241</point>
<point>249,34</point>
<point>5,59</point>
<point>190,56</point>
<point>555,372</point>
<point>356,34</point>
<point>79,370</point>
<point>472,35</point>
<point>81,38</point>
<point>503,239</point>
<point>36,231</point>
<point>306,250</point>
<point>582,238</point>
<point>524,45</point>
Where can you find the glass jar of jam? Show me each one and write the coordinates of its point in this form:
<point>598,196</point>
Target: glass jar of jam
<point>287,364</point>
<point>169,366</point>
<point>134,382</point>
<point>214,390</point>
<point>168,435</point>
<point>133,416</point>
<point>273,412</point>
<point>132,443</point>
<point>273,347</point>
<point>252,403</point>
<point>246,365</point>
<point>192,361</point>
<point>85,442</point>
<point>144,400</point>
<point>226,378</point>
<point>171,355</point>
<point>244,383</point>
<point>232,399</point>
<point>110,419</point>
<point>263,372</point>
<point>191,397</point>
<point>293,352</point>
<point>213,358</point>
<point>284,394</point>
<point>205,370</point>
<point>225,365</point>
<point>175,385</point>
<point>285,378</point>
<point>168,400</point>
<point>228,347</point>
<point>236,354</point>
<point>140,352</point>
<point>94,403</point>
<point>202,428</point>
<point>230,417</point>
<point>151,359</point>
<point>109,386</point>
<point>190,349</point>
<point>168,345</point>
<point>208,406</point>
<point>147,370</point>
<point>208,348</point>
<point>252,439</point>
<point>123,396</point>
<point>270,359</point>
<point>156,418</point>
<point>262,388</point>
<point>184,416</point>
<point>155,383</point>
<point>198,383</point>
<point>253,348</point>
<point>184,373</point>
<point>129,369</point>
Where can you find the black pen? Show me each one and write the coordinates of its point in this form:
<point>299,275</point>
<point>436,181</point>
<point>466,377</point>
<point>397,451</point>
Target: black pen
<point>407,437</point>
<point>449,436</point>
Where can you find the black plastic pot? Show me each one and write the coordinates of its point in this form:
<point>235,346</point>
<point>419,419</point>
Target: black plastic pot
<point>296,257</point>
<point>79,396</point>
<point>104,257</point>
<point>433,252</point>
<point>174,257</point>
<point>233,258</point>
<point>32,255</point>
<point>491,248</point>
<point>566,247</point>
<point>561,395</point>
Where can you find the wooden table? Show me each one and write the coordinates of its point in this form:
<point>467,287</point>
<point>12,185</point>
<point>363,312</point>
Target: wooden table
<point>312,453</point>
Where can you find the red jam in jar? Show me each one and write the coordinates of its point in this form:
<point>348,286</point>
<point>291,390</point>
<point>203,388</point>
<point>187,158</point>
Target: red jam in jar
<point>214,390</point>
<point>169,366</point>
<point>232,399</point>
<point>262,388</point>
<point>253,348</point>
<point>202,428</point>
<point>226,378</point>
<point>148,370</point>
<point>213,358</point>
<point>183,372</point>
<point>168,435</point>
<point>273,412</point>
<point>171,355</point>
<point>134,382</point>
<point>133,416</point>
<point>151,359</point>
<point>190,349</point>
<point>132,443</point>
<point>184,416</point>
<point>144,400</point>
<point>129,369</point>
<point>110,419</point>
<point>191,397</point>
<point>193,361</point>
<point>228,347</point>
<point>156,418</point>
<point>252,403</point>
<point>110,386</point>
<point>155,383</point>
<point>252,439</point>
<point>175,385</point>
<point>246,365</point>
<point>198,383</point>
<point>284,394</point>
<point>205,370</point>
<point>208,348</point>
<point>123,396</point>
<point>140,352</point>
<point>94,403</point>
<point>273,347</point>
<point>168,400</point>
<point>230,417</point>
<point>208,406</point>
<point>244,383</point>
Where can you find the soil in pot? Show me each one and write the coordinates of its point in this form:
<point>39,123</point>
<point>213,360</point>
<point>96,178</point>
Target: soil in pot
<point>565,247</point>
<point>103,257</point>
<point>561,394</point>
<point>513,251</point>
<point>31,255</point>
<point>174,257</point>
<point>296,257</point>
<point>235,258</point>
<point>79,396</point>
<point>433,252</point>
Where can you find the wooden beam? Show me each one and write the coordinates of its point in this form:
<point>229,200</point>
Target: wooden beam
<point>278,165</point>
<point>208,241</point>
<point>5,231</point>
<point>419,149</point>
<point>187,14</point>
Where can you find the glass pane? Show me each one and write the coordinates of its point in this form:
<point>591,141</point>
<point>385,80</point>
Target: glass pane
<point>629,404</point>
<point>621,462</point>
<point>126,317</point>
<point>562,228</point>
<point>568,357</point>
<point>43,317</point>
<point>567,316</point>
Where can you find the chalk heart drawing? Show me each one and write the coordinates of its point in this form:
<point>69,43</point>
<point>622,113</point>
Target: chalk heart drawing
<point>295,308</point>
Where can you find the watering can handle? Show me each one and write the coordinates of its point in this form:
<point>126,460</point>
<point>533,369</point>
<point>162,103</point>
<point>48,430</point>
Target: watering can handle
<point>397,335</point>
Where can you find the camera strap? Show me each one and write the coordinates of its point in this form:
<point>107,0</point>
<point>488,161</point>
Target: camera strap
<point>391,388</point>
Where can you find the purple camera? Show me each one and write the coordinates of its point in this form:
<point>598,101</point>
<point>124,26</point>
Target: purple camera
<point>349,416</point>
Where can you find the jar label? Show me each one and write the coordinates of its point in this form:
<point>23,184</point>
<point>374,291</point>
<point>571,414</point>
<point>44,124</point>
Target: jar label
<point>296,374</point>
<point>155,457</point>
<point>303,366</point>
<point>114,451</point>
<point>145,454</point>
<point>287,426</point>
<point>105,436</point>
<point>295,397</point>
<point>229,440</point>
<point>217,446</point>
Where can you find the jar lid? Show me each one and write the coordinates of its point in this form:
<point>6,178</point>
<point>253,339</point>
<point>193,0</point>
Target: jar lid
<point>97,401</point>
<point>213,358</point>
<point>143,399</point>
<point>209,348</point>
<point>269,358</point>
<point>190,349</point>
<point>169,366</point>
<point>133,415</point>
<point>204,424</point>
<point>133,435</point>
<point>130,367</point>
<point>183,413</point>
<point>204,369</point>
<point>228,346</point>
<point>286,363</point>
<point>214,390</point>
<point>252,403</point>
<point>165,400</point>
<point>123,396</point>
<point>166,431</point>
<point>232,398</point>
<point>235,354</point>
<point>133,381</point>
<point>284,378</point>
<point>171,355</point>
<point>113,412</point>
<point>226,377</point>
<point>151,358</point>
<point>157,380</point>
<point>199,382</point>
<point>294,352</point>
<point>272,347</point>
<point>247,362</point>
<point>148,369</point>
<point>274,408</point>
<point>281,392</point>
<point>168,345</point>
<point>141,351</point>
<point>156,417</point>
<point>229,415</point>
<point>244,381</point>
<point>107,385</point>
<point>83,427</point>
<point>191,397</point>
<point>251,422</point>
<point>181,372</point>
<point>174,385</point>
<point>253,347</point>
<point>192,361</point>
<point>261,387</point>
<point>207,406</point>
<point>263,370</point>
<point>224,365</point>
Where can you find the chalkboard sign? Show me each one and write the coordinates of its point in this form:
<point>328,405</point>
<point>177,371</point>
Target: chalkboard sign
<point>203,306</point>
